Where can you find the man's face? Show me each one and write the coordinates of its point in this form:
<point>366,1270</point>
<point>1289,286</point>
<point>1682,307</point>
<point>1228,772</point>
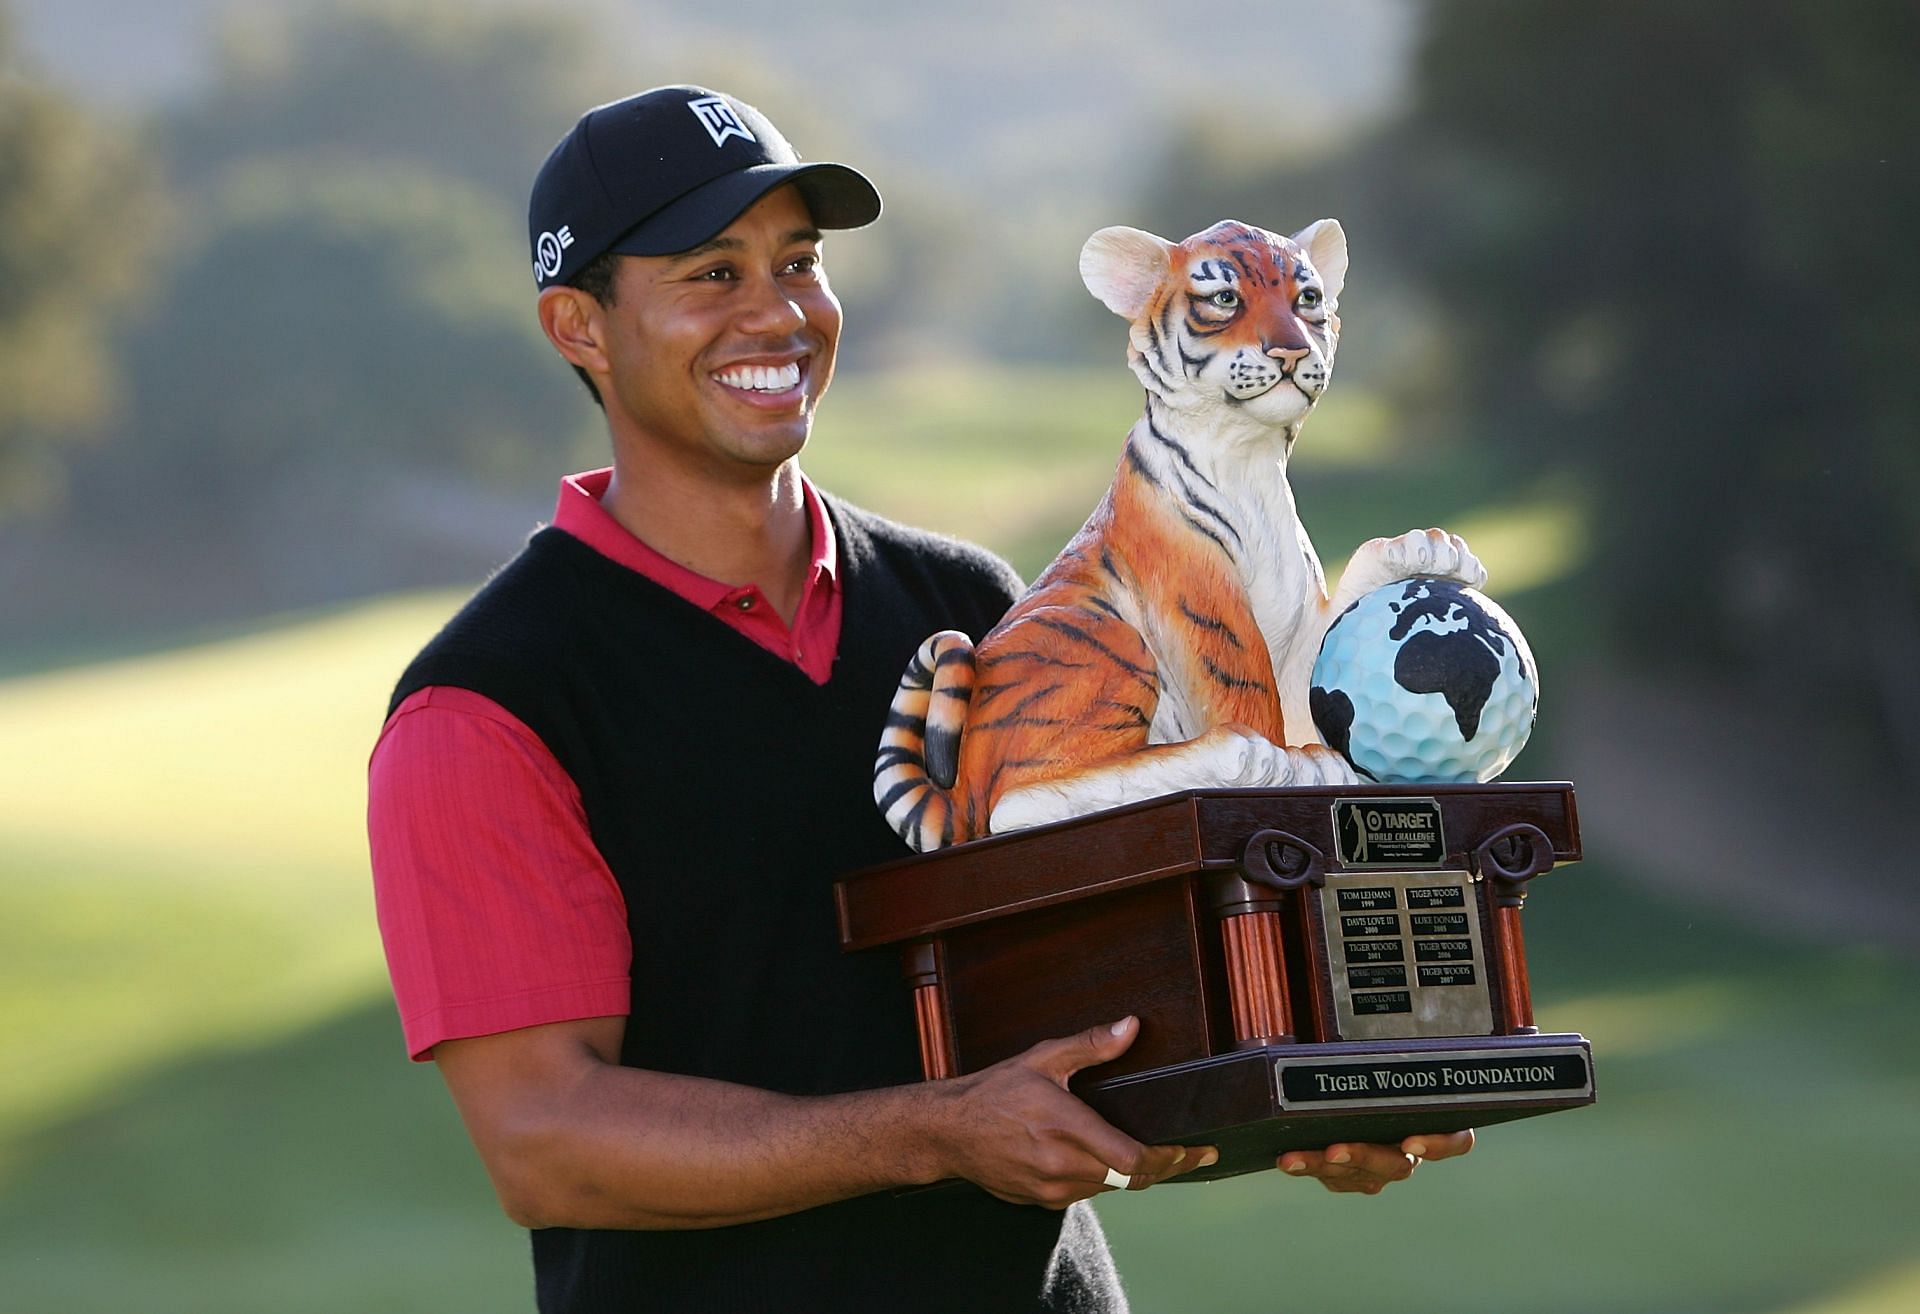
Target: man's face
<point>719,355</point>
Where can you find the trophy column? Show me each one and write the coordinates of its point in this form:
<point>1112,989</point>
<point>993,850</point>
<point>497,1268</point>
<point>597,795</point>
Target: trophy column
<point>1249,918</point>
<point>1510,857</point>
<point>1518,1014</point>
<point>1274,866</point>
<point>920,964</point>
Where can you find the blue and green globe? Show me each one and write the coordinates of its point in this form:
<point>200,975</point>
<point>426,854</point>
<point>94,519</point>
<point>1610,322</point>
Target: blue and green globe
<point>1425,681</point>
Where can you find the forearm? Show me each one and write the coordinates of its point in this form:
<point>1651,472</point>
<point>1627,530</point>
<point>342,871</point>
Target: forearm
<point>572,1138</point>
<point>627,1148</point>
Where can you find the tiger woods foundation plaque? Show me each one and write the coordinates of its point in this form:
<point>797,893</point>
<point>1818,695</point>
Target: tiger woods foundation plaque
<point>1308,965</point>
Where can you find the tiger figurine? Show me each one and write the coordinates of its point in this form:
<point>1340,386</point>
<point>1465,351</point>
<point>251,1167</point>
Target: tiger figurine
<point>1170,645</point>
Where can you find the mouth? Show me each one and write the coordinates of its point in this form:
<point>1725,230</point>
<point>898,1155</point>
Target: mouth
<point>1283,402</point>
<point>773,385</point>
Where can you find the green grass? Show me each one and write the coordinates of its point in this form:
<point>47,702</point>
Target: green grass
<point>207,1106</point>
<point>319,1171</point>
<point>183,847</point>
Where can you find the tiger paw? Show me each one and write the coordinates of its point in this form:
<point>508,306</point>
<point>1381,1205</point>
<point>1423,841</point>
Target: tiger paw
<point>1428,552</point>
<point>1248,759</point>
<point>1316,764</point>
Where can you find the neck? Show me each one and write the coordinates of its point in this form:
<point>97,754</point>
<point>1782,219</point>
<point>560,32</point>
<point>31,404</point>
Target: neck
<point>1231,432</point>
<point>1236,493</point>
<point>1228,462</point>
<point>752,532</point>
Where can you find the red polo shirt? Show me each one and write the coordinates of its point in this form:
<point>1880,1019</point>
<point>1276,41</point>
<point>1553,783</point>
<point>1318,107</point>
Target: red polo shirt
<point>496,910</point>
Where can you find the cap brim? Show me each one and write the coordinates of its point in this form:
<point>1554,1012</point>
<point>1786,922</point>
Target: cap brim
<point>836,197</point>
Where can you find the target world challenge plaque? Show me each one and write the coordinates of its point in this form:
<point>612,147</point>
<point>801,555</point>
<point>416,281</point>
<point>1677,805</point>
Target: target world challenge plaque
<point>1309,965</point>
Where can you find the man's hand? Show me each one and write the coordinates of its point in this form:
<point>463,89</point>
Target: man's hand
<point>1366,1169</point>
<point>1014,1130</point>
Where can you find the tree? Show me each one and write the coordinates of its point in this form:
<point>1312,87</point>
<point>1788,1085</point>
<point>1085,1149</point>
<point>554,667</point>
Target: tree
<point>339,386</point>
<point>1672,244</point>
<point>477,95</point>
<point>79,220</point>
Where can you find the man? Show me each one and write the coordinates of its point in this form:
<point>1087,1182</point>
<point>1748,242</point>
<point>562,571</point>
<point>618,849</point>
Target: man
<point>612,796</point>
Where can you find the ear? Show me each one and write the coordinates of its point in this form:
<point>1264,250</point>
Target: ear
<point>1325,243</point>
<point>571,320</point>
<point>1122,266</point>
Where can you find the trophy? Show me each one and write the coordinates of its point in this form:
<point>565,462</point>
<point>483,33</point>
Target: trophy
<point>1180,780</point>
<point>1308,965</point>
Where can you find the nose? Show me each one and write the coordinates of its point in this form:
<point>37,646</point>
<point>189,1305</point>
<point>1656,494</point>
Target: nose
<point>770,309</point>
<point>1289,357</point>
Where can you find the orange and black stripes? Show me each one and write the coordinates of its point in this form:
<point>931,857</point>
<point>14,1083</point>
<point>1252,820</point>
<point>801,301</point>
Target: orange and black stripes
<point>1068,682</point>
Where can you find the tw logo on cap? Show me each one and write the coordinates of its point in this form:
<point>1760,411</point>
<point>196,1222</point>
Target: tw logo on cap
<point>718,118</point>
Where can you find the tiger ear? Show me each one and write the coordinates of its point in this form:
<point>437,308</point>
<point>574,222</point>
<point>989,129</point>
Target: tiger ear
<point>1122,266</point>
<point>1325,243</point>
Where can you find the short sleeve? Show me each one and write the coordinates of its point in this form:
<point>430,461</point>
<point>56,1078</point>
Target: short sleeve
<point>496,910</point>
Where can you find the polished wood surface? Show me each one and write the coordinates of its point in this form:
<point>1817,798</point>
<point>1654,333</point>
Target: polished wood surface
<point>1050,973</point>
<point>1150,841</point>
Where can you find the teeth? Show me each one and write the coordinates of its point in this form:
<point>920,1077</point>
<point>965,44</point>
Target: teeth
<point>761,378</point>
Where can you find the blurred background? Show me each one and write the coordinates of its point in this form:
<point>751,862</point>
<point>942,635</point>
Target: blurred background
<point>1634,304</point>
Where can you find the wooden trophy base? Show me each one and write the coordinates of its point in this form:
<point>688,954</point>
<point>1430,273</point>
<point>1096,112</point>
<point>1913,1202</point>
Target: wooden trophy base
<point>1308,965</point>
<point>1256,1104</point>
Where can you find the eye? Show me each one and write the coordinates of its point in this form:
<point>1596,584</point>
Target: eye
<point>718,274</point>
<point>806,264</point>
<point>1309,296</point>
<point>1226,299</point>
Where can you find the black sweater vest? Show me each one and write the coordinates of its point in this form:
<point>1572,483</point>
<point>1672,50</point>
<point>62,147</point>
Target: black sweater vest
<point>727,792</point>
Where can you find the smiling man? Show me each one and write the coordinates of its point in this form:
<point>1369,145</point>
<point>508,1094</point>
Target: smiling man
<point>612,795</point>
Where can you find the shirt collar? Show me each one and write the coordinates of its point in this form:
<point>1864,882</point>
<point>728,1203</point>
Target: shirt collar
<point>579,512</point>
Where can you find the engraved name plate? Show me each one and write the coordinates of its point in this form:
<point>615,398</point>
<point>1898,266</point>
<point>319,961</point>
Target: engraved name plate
<point>1406,956</point>
<point>1444,1077</point>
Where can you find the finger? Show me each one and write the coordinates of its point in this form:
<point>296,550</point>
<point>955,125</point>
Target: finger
<point>1381,1163</point>
<point>1167,1161</point>
<point>1446,1145</point>
<point>1110,1148</point>
<point>1060,1059</point>
<point>1311,1163</point>
<point>1114,1150</point>
<point>1193,1158</point>
<point>1160,1162</point>
<point>1338,1177</point>
<point>1355,1166</point>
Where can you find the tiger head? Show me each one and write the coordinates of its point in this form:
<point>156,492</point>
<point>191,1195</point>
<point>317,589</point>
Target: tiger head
<point>1234,320</point>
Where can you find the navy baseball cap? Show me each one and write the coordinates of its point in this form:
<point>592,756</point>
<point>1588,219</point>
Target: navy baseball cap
<point>663,171</point>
